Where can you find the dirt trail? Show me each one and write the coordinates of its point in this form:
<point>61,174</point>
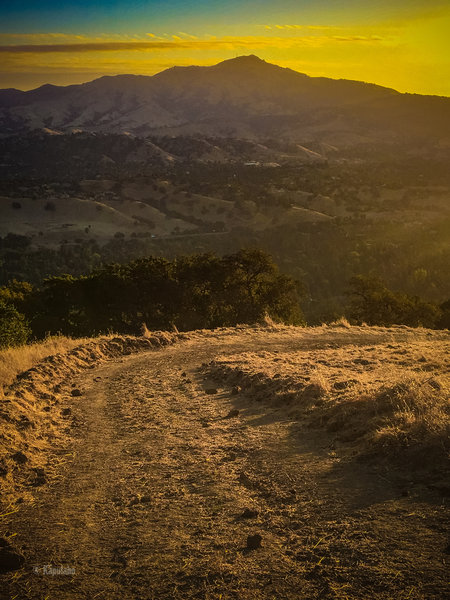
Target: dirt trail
<point>151,503</point>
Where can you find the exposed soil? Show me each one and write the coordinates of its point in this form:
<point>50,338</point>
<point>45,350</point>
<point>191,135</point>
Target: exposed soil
<point>176,486</point>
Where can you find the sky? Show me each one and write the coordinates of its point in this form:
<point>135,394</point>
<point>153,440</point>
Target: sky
<point>403,44</point>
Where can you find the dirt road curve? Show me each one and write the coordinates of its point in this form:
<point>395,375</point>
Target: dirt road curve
<point>151,505</point>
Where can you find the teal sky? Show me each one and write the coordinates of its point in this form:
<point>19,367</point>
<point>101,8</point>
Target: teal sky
<point>116,16</point>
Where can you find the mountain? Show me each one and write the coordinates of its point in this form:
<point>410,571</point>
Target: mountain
<point>244,97</point>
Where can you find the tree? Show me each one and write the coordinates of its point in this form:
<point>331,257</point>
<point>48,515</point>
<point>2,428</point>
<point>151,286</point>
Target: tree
<point>255,287</point>
<point>14,329</point>
<point>444,319</point>
<point>373,303</point>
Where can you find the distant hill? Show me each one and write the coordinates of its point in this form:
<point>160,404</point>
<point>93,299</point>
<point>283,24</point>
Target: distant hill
<point>245,97</point>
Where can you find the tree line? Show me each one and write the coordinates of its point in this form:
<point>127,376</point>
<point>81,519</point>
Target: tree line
<point>189,292</point>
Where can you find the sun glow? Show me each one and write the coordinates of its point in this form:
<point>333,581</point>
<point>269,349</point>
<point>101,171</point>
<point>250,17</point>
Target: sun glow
<point>409,51</point>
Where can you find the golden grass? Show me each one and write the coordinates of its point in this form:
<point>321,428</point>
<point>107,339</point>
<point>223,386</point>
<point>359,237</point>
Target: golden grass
<point>16,360</point>
<point>33,418</point>
<point>378,398</point>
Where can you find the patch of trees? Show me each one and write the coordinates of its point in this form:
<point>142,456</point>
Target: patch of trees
<point>189,292</point>
<point>373,303</point>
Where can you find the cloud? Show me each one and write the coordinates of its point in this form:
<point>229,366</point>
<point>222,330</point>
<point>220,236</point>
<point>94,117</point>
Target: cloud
<point>188,35</point>
<point>176,42</point>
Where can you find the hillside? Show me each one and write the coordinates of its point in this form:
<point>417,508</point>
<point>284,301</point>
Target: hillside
<point>332,178</point>
<point>243,97</point>
<point>297,463</point>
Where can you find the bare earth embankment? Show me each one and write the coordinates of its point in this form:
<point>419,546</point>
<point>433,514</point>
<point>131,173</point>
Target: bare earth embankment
<point>236,464</point>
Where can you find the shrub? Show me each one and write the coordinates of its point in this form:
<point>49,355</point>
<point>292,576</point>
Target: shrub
<point>14,329</point>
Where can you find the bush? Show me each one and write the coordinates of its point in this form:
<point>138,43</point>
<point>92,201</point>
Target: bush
<point>373,303</point>
<point>14,329</point>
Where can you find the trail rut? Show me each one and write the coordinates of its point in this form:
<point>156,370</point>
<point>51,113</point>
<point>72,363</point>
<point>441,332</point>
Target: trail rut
<point>152,501</point>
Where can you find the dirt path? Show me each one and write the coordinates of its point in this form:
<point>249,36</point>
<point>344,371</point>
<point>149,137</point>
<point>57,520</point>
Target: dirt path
<point>152,503</point>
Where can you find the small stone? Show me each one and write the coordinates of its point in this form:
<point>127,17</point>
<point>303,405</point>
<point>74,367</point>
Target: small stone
<point>435,384</point>
<point>254,542</point>
<point>249,514</point>
<point>210,391</point>
<point>340,385</point>
<point>183,374</point>
<point>9,560</point>
<point>235,390</point>
<point>233,413</point>
<point>19,457</point>
<point>76,392</point>
<point>40,477</point>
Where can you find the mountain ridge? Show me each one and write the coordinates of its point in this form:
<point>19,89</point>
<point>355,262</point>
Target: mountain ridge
<point>241,97</point>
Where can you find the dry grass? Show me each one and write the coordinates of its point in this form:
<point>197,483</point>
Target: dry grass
<point>16,360</point>
<point>341,322</point>
<point>35,409</point>
<point>388,400</point>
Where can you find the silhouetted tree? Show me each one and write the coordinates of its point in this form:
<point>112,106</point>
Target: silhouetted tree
<point>373,303</point>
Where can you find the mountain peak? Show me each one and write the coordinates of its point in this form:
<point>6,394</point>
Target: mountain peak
<point>245,61</point>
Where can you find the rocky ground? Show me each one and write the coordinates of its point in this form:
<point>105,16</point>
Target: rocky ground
<point>208,468</point>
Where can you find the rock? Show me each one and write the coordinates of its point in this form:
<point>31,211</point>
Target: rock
<point>341,385</point>
<point>254,542</point>
<point>40,477</point>
<point>435,384</point>
<point>76,392</point>
<point>233,413</point>
<point>3,469</point>
<point>249,514</point>
<point>183,374</point>
<point>210,391</point>
<point>9,559</point>
<point>19,457</point>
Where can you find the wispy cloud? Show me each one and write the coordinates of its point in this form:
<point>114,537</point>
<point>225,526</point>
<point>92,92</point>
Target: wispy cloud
<point>135,43</point>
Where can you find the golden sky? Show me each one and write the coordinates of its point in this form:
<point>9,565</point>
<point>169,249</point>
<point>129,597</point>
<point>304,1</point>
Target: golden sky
<point>401,45</point>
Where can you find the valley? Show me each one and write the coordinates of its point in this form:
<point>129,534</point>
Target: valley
<point>244,154</point>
